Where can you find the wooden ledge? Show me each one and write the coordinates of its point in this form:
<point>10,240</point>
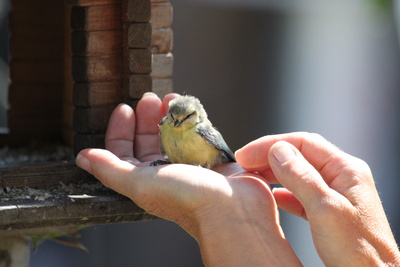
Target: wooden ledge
<point>40,197</point>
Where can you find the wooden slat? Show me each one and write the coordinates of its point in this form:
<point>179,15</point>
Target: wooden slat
<point>161,87</point>
<point>42,175</point>
<point>28,45</point>
<point>161,40</point>
<point>96,43</point>
<point>82,141</point>
<point>162,66</point>
<point>66,196</point>
<point>136,10</point>
<point>91,120</point>
<point>139,61</point>
<point>36,99</point>
<point>36,217</point>
<point>91,2</point>
<point>139,35</point>
<point>138,85</point>
<point>161,15</point>
<point>96,69</point>
<point>91,18</point>
<point>36,72</point>
<point>36,111</point>
<point>67,106</point>
<point>35,25</point>
<point>97,94</point>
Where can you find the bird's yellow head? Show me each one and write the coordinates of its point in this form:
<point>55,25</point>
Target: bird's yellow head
<point>184,112</point>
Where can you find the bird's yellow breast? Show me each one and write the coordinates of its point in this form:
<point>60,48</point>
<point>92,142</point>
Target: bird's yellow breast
<point>187,146</point>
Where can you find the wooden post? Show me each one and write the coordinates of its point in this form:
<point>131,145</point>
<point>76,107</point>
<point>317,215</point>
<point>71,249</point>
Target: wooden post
<point>120,50</point>
<point>36,47</point>
<point>96,45</point>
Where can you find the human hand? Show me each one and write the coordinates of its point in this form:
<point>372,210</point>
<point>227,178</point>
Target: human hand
<point>333,190</point>
<point>230,212</point>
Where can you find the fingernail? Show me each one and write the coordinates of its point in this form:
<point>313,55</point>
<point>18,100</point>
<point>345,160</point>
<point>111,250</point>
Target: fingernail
<point>283,152</point>
<point>83,163</point>
<point>149,94</point>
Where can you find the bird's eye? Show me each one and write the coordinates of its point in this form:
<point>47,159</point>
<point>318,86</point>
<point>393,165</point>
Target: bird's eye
<point>188,116</point>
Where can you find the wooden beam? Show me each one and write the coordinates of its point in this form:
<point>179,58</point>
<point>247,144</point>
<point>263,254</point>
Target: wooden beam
<point>97,94</point>
<point>91,2</point>
<point>140,61</point>
<point>96,69</point>
<point>162,66</point>
<point>96,43</point>
<point>91,18</point>
<point>72,207</point>
<point>136,11</point>
<point>161,87</point>
<point>138,85</point>
<point>83,140</point>
<point>161,40</point>
<point>139,35</point>
<point>36,72</point>
<point>42,175</point>
<point>91,120</point>
<point>161,15</point>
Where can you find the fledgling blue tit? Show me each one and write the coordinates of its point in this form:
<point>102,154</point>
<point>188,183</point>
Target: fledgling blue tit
<point>189,137</point>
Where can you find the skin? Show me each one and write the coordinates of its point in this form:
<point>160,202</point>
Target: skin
<point>231,212</point>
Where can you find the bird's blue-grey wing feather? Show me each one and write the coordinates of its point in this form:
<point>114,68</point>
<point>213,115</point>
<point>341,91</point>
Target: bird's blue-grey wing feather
<point>214,138</point>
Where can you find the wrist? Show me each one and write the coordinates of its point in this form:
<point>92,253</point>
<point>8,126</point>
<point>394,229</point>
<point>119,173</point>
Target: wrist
<point>243,232</point>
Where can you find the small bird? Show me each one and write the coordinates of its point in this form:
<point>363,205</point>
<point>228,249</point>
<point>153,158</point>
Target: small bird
<point>189,137</point>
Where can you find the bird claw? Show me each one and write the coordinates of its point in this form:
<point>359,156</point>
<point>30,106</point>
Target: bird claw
<point>159,162</point>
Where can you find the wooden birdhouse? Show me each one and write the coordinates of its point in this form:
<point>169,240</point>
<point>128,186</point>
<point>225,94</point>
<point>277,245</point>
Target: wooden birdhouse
<point>72,62</point>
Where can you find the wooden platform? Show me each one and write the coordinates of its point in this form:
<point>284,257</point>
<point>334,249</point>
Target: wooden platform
<point>40,197</point>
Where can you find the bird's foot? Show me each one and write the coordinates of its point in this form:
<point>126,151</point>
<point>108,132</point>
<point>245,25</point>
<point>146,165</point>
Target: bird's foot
<point>159,162</point>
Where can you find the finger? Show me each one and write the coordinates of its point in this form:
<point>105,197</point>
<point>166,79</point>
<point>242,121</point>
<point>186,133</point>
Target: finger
<point>108,168</point>
<point>288,202</point>
<point>148,116</point>
<point>317,150</point>
<point>296,174</point>
<point>120,131</point>
<point>166,100</point>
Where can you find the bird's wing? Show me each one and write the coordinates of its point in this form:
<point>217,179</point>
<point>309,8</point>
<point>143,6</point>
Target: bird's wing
<point>214,138</point>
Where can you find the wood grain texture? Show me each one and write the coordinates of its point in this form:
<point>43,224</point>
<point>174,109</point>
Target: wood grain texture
<point>139,61</point>
<point>35,217</point>
<point>91,120</point>
<point>139,35</point>
<point>91,2</point>
<point>36,72</point>
<point>42,175</point>
<point>94,18</point>
<point>136,10</point>
<point>161,15</point>
<point>162,66</point>
<point>97,94</point>
<point>161,87</point>
<point>96,43</point>
<point>63,208</point>
<point>96,69</point>
<point>138,85</point>
<point>161,40</point>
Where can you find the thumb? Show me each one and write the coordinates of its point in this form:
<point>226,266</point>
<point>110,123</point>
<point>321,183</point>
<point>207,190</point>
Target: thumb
<point>108,168</point>
<point>299,177</point>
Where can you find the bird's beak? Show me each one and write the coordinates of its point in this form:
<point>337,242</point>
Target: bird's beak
<point>177,123</point>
